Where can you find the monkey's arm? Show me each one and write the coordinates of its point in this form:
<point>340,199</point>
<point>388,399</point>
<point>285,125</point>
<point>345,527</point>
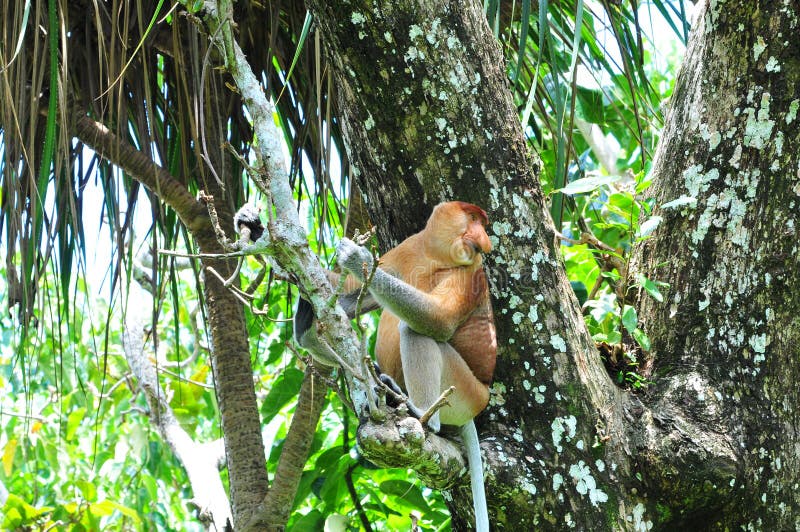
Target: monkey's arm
<point>436,315</point>
<point>305,322</point>
<point>349,297</point>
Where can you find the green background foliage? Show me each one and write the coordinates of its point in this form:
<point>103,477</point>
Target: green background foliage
<point>78,450</point>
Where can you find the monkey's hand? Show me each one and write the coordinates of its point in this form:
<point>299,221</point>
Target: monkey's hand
<point>354,258</point>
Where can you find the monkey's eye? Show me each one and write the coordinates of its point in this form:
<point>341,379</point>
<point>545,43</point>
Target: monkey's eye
<point>473,217</point>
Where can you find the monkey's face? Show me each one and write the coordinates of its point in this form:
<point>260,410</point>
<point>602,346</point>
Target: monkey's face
<point>460,229</point>
<point>472,242</point>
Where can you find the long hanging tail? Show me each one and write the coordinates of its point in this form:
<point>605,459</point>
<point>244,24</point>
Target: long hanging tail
<point>470,436</point>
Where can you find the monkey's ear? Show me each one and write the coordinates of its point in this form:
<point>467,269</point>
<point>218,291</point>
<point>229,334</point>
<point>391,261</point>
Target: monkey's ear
<point>248,218</point>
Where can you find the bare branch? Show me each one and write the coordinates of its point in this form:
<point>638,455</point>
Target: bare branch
<point>437,405</point>
<point>209,493</point>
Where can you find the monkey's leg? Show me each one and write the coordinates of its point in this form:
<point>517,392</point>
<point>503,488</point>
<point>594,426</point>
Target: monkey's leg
<point>421,357</point>
<point>398,391</point>
<point>470,397</point>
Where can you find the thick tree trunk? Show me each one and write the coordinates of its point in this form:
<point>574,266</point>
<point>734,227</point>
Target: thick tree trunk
<point>725,341</point>
<point>426,115</point>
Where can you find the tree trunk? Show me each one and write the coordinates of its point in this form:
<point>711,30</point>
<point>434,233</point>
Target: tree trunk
<point>427,116</point>
<point>230,352</point>
<point>725,353</point>
<point>230,349</point>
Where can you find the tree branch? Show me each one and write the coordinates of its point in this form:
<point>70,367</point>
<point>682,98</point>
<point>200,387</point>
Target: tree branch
<point>289,244</point>
<point>402,442</point>
<point>278,503</point>
<point>239,412</point>
<point>139,166</point>
<point>200,465</point>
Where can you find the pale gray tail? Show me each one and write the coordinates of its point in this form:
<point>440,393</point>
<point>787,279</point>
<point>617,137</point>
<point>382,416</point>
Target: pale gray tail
<point>470,436</point>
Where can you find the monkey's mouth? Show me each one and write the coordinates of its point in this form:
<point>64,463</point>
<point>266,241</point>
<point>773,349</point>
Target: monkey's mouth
<point>474,247</point>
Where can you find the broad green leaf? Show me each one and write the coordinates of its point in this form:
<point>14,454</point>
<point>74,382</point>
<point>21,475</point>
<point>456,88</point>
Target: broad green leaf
<point>629,318</point>
<point>74,421</point>
<point>313,520</point>
<point>613,274</point>
<point>283,390</point>
<point>611,225</point>
<point>407,491</point>
<point>88,489</point>
<point>333,490</point>
<point>644,185</point>
<point>8,455</point>
<point>590,105</point>
<point>124,510</point>
<point>102,508</point>
<point>641,338</point>
<point>650,287</point>
<point>624,205</point>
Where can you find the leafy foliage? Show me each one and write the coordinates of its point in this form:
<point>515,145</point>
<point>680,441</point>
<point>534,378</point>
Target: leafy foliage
<point>77,448</point>
<point>596,78</point>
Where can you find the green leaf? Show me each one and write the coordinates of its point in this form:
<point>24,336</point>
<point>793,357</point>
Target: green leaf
<point>650,287</point>
<point>126,511</point>
<point>644,185</point>
<point>590,105</point>
<point>73,422</point>
<point>648,226</point>
<point>407,491</point>
<point>641,338</point>
<point>333,490</point>
<point>524,25</point>
<point>313,520</point>
<point>613,274</point>
<point>588,184</point>
<point>623,205</point>
<point>300,42</point>
<point>8,456</point>
<point>285,388</point>
<point>629,318</point>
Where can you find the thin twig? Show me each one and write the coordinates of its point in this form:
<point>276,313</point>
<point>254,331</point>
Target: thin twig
<point>438,404</point>
<point>208,199</point>
<point>162,369</point>
<point>227,255</point>
<point>339,290</point>
<point>368,277</point>
<point>332,384</point>
<point>376,412</point>
<point>262,272</point>
<point>246,298</point>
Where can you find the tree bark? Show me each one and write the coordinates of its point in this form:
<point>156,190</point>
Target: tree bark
<point>230,353</point>
<point>725,454</point>
<point>427,116</point>
<point>214,510</point>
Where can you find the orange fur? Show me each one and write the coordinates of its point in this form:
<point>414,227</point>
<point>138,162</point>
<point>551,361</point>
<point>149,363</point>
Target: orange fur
<point>444,260</point>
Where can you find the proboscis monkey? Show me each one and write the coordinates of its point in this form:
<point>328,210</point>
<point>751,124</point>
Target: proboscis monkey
<point>437,328</point>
